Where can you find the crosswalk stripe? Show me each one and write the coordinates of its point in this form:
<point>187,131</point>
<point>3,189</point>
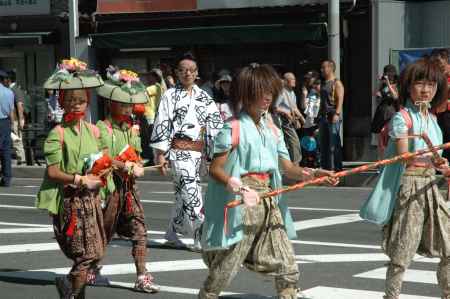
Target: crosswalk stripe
<point>115,269</point>
<point>321,209</point>
<point>169,289</point>
<point>17,207</point>
<point>339,293</point>
<point>301,259</point>
<point>340,258</point>
<point>411,275</point>
<point>327,221</point>
<point>23,224</point>
<point>332,244</point>
<point>18,195</point>
<point>157,201</point>
<point>26,230</point>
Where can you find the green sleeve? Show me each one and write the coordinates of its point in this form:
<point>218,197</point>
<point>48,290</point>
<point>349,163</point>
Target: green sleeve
<point>53,148</point>
<point>136,142</point>
<point>105,138</point>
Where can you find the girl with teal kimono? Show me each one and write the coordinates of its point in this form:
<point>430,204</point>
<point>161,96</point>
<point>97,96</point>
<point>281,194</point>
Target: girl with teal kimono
<point>406,199</point>
<point>69,194</point>
<point>257,233</point>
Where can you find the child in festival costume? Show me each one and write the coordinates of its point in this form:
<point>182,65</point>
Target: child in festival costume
<point>418,220</point>
<point>247,168</point>
<point>69,194</point>
<point>123,212</point>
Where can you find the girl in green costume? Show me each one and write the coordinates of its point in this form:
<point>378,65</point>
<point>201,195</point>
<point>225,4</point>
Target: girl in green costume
<point>123,212</point>
<point>69,194</point>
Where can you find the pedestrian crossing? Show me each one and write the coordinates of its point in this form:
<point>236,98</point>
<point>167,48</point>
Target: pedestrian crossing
<point>320,254</point>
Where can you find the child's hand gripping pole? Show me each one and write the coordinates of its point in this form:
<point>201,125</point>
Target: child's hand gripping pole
<point>400,158</point>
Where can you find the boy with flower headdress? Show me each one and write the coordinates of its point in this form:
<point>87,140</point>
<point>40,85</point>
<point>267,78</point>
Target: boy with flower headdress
<point>123,211</point>
<point>75,164</point>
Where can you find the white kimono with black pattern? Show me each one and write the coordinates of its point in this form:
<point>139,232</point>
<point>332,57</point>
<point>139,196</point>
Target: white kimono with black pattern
<point>194,116</point>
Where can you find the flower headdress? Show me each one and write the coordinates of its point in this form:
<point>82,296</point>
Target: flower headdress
<point>123,86</point>
<point>127,80</point>
<point>73,74</point>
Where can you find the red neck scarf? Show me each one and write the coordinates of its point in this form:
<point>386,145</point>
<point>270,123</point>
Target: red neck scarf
<point>123,119</point>
<point>73,116</point>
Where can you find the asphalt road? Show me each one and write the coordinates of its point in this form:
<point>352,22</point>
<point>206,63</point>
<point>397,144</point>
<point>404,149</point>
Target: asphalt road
<point>339,255</point>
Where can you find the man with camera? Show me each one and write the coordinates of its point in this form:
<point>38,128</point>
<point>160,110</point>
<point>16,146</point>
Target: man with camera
<point>387,95</point>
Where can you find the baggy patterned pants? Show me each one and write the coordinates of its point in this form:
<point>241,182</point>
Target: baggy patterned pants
<point>126,217</point>
<point>420,224</point>
<point>265,248</point>
<point>86,247</point>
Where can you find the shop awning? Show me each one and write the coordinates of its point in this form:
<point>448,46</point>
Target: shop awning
<point>23,38</point>
<point>214,35</point>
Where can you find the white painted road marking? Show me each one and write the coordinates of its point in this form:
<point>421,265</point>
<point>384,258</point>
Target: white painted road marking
<point>24,224</point>
<point>327,221</point>
<point>411,275</point>
<point>338,293</point>
<point>331,244</point>
<point>115,269</point>
<point>18,207</point>
<point>322,209</point>
<point>18,195</point>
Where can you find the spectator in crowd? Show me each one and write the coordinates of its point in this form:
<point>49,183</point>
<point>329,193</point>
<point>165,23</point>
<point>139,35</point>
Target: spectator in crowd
<point>290,118</point>
<point>55,111</point>
<point>310,131</point>
<point>222,96</point>
<point>6,116</point>
<point>18,121</point>
<point>170,81</point>
<point>308,79</point>
<point>208,84</point>
<point>312,107</point>
<point>441,57</point>
<point>331,103</point>
<point>387,97</point>
<point>156,87</point>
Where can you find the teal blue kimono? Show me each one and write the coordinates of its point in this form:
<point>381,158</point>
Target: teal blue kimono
<point>381,202</point>
<point>257,151</point>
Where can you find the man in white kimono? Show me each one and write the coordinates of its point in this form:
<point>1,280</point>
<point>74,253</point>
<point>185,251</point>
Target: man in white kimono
<point>186,122</point>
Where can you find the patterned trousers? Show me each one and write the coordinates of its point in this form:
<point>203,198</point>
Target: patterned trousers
<point>420,224</point>
<point>265,248</point>
<point>187,215</point>
<point>82,215</point>
<point>125,216</point>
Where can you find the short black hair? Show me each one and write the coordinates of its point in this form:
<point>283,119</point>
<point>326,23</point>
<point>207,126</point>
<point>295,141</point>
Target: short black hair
<point>423,69</point>
<point>11,75</point>
<point>443,53</point>
<point>333,64</point>
<point>185,56</point>
<point>3,75</point>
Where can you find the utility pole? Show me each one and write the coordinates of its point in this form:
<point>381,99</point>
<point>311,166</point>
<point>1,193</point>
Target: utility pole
<point>73,27</point>
<point>334,50</point>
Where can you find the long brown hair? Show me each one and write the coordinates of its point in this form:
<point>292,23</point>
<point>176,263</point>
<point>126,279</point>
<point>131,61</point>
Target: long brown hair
<point>252,83</point>
<point>423,69</point>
